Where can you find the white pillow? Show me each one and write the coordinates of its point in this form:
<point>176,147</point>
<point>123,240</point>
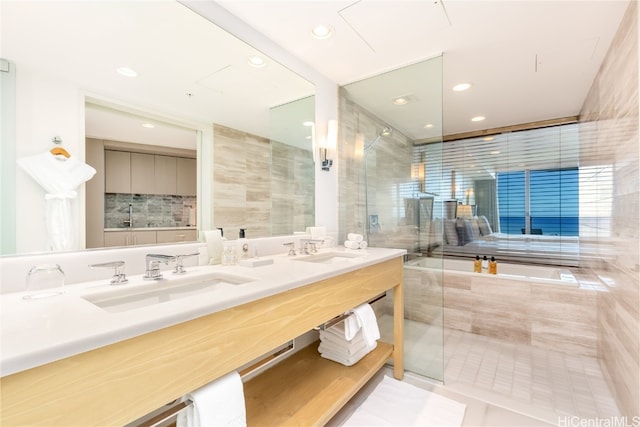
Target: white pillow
<point>483,224</point>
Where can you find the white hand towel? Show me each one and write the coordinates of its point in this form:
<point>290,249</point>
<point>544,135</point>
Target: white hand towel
<point>339,339</point>
<point>349,360</point>
<point>348,348</point>
<point>348,328</point>
<point>355,237</point>
<point>363,245</point>
<point>368,322</point>
<point>220,404</point>
<point>351,244</point>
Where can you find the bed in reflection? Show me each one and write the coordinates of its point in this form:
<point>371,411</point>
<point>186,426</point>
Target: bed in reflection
<point>468,237</point>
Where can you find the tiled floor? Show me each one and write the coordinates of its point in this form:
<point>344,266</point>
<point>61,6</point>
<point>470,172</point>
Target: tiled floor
<point>546,385</point>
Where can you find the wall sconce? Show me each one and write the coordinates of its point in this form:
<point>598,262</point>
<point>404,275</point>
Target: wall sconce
<point>329,143</point>
<point>465,211</point>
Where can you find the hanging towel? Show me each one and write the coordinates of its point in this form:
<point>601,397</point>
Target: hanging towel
<point>219,404</point>
<point>368,322</point>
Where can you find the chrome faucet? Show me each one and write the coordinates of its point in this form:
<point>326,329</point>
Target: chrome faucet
<point>153,265</point>
<point>309,246</point>
<point>119,277</point>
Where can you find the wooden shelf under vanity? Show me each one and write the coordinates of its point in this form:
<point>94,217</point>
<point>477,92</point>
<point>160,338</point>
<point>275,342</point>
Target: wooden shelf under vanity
<point>307,389</point>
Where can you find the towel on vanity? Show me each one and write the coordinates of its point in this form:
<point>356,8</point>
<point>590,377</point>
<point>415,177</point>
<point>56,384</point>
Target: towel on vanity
<point>348,360</point>
<point>219,404</point>
<point>368,322</point>
<point>330,342</point>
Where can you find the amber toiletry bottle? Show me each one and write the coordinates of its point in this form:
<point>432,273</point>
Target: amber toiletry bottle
<point>493,266</point>
<point>477,265</point>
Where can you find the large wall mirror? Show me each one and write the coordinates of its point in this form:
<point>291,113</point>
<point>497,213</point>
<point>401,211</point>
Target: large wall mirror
<point>68,75</point>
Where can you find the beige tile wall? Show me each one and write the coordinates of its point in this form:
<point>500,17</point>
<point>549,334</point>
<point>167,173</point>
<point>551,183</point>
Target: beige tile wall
<point>558,318</point>
<point>263,186</point>
<point>609,135</point>
<point>388,169</point>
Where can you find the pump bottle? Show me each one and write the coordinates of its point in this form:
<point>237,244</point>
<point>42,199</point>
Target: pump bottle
<point>493,266</point>
<point>477,265</point>
<point>485,264</point>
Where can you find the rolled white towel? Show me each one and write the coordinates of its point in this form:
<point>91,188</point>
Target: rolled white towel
<point>350,244</point>
<point>363,244</point>
<point>355,237</point>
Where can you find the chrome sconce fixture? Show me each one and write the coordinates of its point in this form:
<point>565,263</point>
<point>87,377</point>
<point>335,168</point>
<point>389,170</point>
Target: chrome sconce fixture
<point>329,143</point>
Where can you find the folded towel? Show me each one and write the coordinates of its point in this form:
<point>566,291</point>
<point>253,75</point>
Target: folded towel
<point>349,360</point>
<point>351,244</point>
<point>363,245</point>
<point>220,403</point>
<point>355,237</point>
<point>338,338</point>
<point>345,350</point>
<point>368,322</point>
<point>348,328</point>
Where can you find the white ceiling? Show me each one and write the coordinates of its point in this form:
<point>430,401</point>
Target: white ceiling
<point>527,60</point>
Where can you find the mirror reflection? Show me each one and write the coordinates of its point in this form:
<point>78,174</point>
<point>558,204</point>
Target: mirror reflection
<point>71,62</point>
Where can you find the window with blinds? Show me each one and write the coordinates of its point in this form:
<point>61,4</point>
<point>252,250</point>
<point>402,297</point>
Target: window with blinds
<point>549,186</point>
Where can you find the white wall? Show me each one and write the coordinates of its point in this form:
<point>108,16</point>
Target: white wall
<point>45,108</point>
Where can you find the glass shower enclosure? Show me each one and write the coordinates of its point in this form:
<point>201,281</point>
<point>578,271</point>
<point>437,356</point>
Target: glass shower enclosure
<point>389,192</point>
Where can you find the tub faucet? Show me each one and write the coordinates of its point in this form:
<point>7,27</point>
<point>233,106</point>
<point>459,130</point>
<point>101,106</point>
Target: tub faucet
<point>153,265</point>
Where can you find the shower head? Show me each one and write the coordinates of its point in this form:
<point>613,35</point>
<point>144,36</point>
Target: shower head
<point>386,131</point>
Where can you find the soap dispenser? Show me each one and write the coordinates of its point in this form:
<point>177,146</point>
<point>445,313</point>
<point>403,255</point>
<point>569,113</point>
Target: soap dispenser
<point>477,265</point>
<point>243,245</point>
<point>493,266</point>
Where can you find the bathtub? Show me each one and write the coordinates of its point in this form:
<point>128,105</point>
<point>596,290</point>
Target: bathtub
<point>532,273</point>
<point>530,304</point>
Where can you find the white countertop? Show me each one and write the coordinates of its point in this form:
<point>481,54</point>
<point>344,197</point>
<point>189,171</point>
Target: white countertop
<point>183,227</point>
<point>35,332</point>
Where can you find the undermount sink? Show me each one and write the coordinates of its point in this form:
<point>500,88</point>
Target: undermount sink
<point>158,292</point>
<point>330,257</point>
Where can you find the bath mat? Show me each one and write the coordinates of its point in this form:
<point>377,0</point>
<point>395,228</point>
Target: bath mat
<point>396,403</point>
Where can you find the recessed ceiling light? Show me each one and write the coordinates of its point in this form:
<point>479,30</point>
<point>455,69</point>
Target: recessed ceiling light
<point>428,126</point>
<point>401,101</point>
<point>322,32</point>
<point>477,118</point>
<point>309,123</point>
<point>148,125</point>
<point>495,152</point>
<point>461,87</point>
<point>127,72</point>
<point>256,61</point>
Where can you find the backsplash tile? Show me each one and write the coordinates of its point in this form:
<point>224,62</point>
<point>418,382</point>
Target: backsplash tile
<point>149,210</point>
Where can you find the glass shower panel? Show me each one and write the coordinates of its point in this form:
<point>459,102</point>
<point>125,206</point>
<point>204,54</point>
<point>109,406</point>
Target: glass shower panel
<point>389,190</point>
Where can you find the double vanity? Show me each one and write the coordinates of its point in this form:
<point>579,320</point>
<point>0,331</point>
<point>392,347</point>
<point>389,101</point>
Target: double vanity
<point>107,355</point>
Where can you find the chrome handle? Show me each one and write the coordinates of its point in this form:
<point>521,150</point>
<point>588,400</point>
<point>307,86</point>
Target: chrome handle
<point>119,277</point>
<point>179,267</point>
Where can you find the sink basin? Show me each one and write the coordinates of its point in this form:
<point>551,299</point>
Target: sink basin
<point>125,299</point>
<point>330,257</point>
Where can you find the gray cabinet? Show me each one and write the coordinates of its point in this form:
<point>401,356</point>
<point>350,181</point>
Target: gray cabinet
<point>117,171</point>
<point>172,236</point>
<point>129,238</point>
<point>142,173</point>
<point>186,176</point>
<point>165,175</point>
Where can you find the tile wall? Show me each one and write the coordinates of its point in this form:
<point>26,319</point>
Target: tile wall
<point>149,210</point>
<point>389,172</point>
<point>609,135</point>
<point>263,186</point>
